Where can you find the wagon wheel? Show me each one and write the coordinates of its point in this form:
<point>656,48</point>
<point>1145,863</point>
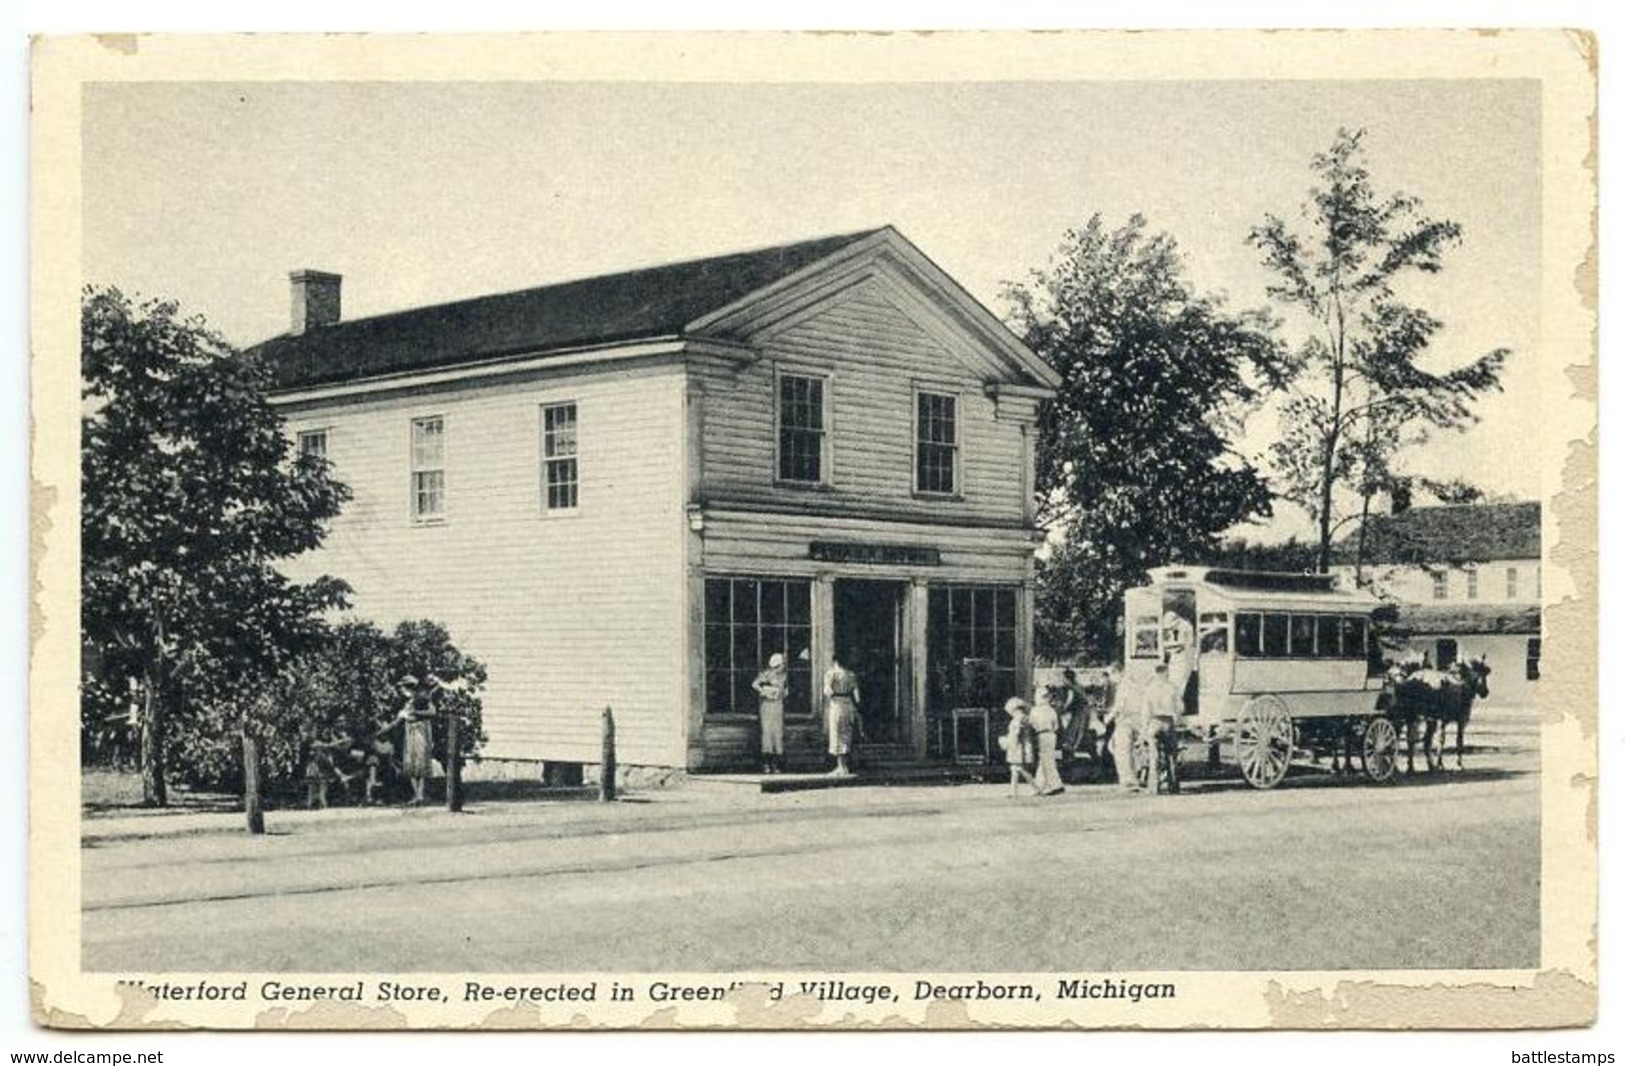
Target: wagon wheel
<point>1264,741</point>
<point>1379,749</point>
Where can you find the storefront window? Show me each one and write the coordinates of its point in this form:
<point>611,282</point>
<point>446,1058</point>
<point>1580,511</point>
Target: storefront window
<point>746,621</point>
<point>971,645</point>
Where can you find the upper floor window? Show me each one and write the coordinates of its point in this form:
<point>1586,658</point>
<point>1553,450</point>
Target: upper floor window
<point>936,443</point>
<point>803,428</point>
<point>1472,584</point>
<point>561,476</point>
<point>1441,585</point>
<point>428,467</point>
<point>313,442</point>
<point>1512,582</point>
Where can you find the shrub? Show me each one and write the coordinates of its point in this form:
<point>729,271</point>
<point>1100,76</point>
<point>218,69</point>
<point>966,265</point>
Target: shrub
<point>343,693</point>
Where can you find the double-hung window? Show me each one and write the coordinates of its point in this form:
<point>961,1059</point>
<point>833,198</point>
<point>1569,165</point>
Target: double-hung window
<point>313,442</point>
<point>561,474</point>
<point>803,410</point>
<point>936,443</point>
<point>428,468</point>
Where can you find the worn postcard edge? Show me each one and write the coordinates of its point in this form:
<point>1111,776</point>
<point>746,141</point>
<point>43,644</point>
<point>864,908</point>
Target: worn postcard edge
<point>1561,993</point>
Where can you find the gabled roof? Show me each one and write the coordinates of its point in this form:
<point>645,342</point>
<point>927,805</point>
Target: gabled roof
<point>639,304</point>
<point>677,300</point>
<point>1470,533</point>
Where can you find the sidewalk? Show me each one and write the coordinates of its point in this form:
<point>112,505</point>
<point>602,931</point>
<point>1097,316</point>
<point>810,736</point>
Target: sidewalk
<point>569,814</point>
<point>699,801</point>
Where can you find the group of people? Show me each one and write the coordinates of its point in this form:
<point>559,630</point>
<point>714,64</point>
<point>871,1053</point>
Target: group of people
<point>1120,722</point>
<point>841,722</point>
<point>1032,742</point>
<point>376,755</point>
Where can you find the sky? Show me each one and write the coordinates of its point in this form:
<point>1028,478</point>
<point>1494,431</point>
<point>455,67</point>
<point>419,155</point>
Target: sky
<point>210,193</point>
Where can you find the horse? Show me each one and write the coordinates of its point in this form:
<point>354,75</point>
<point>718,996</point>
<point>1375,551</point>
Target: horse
<point>1437,698</point>
<point>1470,679</point>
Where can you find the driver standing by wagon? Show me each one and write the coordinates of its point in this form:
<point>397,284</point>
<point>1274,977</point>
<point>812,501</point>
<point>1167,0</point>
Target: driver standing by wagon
<point>1178,643</point>
<point>1160,704</point>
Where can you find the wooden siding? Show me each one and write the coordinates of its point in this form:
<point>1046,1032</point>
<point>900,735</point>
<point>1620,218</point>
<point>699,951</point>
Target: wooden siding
<point>568,612</point>
<point>874,355</point>
<point>747,543</point>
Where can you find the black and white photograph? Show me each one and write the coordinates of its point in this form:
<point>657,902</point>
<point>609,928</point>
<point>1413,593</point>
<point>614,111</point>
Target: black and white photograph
<point>782,531</point>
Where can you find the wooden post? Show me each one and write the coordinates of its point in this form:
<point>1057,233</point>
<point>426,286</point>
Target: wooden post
<point>454,764</point>
<point>251,785</point>
<point>154,786</point>
<point>606,776</point>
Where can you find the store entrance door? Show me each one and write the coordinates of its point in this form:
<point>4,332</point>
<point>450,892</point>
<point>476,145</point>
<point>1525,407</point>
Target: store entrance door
<point>868,642</point>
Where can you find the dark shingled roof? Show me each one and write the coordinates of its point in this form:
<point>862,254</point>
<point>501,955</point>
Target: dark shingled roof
<point>1467,620</point>
<point>640,304</point>
<point>1471,533</point>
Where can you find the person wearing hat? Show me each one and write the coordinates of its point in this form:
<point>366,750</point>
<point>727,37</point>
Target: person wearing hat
<point>1018,744</point>
<point>771,685</point>
<point>1046,724</point>
<point>417,722</point>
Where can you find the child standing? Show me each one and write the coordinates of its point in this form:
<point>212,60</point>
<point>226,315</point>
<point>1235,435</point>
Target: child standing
<point>1018,744</point>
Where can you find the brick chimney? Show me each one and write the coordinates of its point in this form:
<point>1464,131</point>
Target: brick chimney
<point>315,299</point>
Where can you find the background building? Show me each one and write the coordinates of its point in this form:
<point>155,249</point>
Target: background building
<point>1466,580</point>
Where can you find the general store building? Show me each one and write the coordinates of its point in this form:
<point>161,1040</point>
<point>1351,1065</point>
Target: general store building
<point>630,490</point>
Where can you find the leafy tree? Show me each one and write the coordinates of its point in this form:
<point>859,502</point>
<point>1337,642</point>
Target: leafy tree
<point>1135,462</point>
<point>1237,553</point>
<point>1360,397</point>
<point>191,496</point>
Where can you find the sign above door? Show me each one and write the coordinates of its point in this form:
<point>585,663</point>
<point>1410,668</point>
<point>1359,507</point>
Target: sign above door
<point>842,551</point>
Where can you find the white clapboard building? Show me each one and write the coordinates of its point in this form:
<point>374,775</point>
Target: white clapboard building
<point>1466,581</point>
<point>630,490</point>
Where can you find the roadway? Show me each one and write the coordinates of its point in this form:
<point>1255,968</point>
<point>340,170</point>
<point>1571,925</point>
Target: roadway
<point>1432,872</point>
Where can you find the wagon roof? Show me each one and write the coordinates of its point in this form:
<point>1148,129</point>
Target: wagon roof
<point>1338,600</point>
<point>1266,588</point>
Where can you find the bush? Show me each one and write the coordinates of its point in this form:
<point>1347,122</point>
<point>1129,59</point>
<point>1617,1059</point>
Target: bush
<point>343,694</point>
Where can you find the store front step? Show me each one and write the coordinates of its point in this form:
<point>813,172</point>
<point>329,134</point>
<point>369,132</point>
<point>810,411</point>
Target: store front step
<point>882,774</point>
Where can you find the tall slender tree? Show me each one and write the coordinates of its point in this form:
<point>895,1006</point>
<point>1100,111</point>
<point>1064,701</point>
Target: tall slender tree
<point>1360,397</point>
<point>1136,466</point>
<point>191,495</point>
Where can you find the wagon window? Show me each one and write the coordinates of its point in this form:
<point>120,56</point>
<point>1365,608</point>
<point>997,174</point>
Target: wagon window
<point>1303,635</point>
<point>1215,633</point>
<point>1275,628</point>
<point>1354,641</point>
<point>1328,642</point>
<point>1249,635</point>
<point>1146,630</point>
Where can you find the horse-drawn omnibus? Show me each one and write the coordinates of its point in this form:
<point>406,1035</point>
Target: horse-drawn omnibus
<point>1268,664</point>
